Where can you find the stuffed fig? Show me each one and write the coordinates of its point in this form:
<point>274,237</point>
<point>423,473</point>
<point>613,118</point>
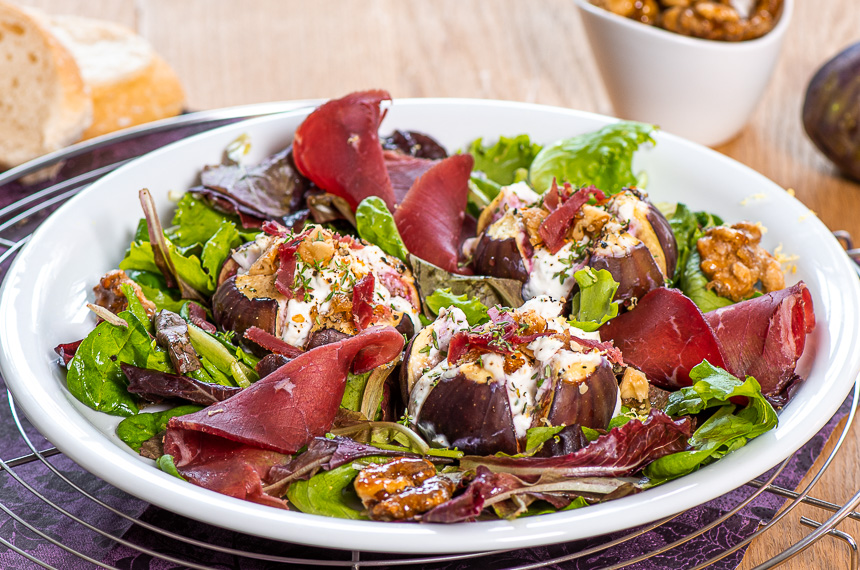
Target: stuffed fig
<point>481,388</point>
<point>543,240</point>
<point>303,288</point>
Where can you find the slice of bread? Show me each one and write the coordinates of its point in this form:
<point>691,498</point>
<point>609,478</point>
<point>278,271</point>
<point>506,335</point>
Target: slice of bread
<point>44,104</point>
<point>129,83</point>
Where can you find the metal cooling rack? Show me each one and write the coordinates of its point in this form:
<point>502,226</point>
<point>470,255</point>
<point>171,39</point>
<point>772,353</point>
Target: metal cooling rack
<point>20,218</point>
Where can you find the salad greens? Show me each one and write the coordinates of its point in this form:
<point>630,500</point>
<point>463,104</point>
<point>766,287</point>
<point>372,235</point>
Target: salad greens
<point>505,162</point>
<point>199,243</point>
<point>592,304</point>
<point>94,376</point>
<point>134,430</point>
<point>376,224</point>
<point>603,158</point>
<point>728,428</point>
<point>325,493</point>
<point>475,310</point>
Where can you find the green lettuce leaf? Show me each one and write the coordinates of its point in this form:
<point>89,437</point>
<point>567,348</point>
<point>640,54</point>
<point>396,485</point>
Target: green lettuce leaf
<point>166,464</point>
<point>475,310</point>
<point>592,305</point>
<point>376,224</point>
<point>217,249</point>
<point>727,429</point>
<point>603,158</point>
<point>505,162</point>
<point>324,494</point>
<point>195,223</point>
<point>543,508</point>
<point>537,436</point>
<point>134,430</point>
<point>94,376</point>
<point>155,289</point>
<point>140,257</point>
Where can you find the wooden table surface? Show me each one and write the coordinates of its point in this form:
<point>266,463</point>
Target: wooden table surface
<point>231,53</point>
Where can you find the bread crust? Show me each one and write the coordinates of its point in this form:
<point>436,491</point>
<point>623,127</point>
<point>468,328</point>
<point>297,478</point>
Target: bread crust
<point>129,83</point>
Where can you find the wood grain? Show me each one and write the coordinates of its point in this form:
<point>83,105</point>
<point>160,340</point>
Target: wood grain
<point>231,53</point>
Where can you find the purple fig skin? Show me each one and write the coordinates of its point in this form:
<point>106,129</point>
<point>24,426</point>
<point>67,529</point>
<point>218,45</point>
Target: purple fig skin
<point>636,273</point>
<point>475,417</point>
<point>830,110</point>
<point>590,407</point>
<point>403,376</point>
<point>666,237</point>
<point>233,311</point>
<point>499,258</point>
<point>270,363</point>
<point>325,336</point>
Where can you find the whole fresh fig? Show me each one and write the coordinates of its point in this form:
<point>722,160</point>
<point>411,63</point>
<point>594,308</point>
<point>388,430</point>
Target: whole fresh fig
<point>831,111</point>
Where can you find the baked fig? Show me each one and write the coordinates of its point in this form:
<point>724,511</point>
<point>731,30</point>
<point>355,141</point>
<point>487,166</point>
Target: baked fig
<point>631,265</point>
<point>482,388</point>
<point>623,233</point>
<point>314,286</point>
<point>831,108</point>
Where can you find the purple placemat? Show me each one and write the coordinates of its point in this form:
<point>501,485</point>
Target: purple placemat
<point>45,518</point>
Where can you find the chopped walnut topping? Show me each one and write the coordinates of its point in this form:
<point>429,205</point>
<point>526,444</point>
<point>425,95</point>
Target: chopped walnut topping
<point>110,296</point>
<point>401,489</point>
<point>734,261</point>
<point>589,221</point>
<point>532,219</point>
<point>634,385</point>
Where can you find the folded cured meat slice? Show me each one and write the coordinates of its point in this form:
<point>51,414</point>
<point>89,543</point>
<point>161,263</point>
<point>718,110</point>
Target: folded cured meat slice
<point>665,336</point>
<point>404,170</point>
<point>224,466</point>
<point>764,337</point>
<point>337,147</point>
<point>288,408</point>
<point>430,218</point>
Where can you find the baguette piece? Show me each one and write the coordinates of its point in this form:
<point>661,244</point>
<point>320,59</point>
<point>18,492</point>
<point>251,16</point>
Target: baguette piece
<point>44,104</point>
<point>129,83</point>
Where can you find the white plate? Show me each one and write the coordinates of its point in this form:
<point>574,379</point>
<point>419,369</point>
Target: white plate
<point>43,297</point>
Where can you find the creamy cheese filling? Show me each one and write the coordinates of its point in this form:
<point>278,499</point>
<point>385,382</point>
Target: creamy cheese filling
<point>552,274</point>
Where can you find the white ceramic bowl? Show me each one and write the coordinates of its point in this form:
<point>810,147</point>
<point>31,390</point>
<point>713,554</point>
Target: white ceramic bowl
<point>702,90</point>
<point>42,304</point>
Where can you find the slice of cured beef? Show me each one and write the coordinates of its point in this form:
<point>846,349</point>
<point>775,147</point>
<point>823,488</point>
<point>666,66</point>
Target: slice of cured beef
<point>288,408</point>
<point>229,447</point>
<point>665,336</point>
<point>430,218</point>
<point>337,147</point>
<point>764,337</point>
<point>404,170</point>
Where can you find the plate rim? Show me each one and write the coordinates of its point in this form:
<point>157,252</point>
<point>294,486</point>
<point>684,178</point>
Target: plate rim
<point>518,533</point>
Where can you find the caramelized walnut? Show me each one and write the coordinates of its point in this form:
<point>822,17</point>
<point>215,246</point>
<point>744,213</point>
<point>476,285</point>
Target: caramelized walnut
<point>401,489</point>
<point>110,296</point>
<point>734,261</point>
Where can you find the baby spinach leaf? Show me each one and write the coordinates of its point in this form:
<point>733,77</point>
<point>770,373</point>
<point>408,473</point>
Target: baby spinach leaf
<point>134,430</point>
<point>217,249</point>
<point>94,376</point>
<point>592,305</point>
<point>603,158</point>
<point>475,310</point>
<point>195,223</point>
<point>505,162</point>
<point>537,436</point>
<point>166,464</point>
<point>376,224</point>
<point>323,494</point>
